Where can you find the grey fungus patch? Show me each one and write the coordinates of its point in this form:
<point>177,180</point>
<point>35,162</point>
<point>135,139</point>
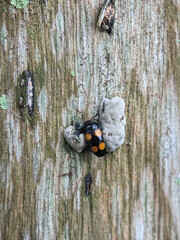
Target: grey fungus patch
<point>112,118</point>
<point>78,143</point>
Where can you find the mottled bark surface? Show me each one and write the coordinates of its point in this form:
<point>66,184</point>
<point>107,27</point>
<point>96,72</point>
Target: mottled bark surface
<point>136,191</point>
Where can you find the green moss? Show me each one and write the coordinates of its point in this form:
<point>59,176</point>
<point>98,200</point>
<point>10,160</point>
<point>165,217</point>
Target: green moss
<point>4,10</point>
<point>72,73</point>
<point>34,31</point>
<point>3,102</point>
<point>178,181</point>
<point>19,3</point>
<point>50,152</point>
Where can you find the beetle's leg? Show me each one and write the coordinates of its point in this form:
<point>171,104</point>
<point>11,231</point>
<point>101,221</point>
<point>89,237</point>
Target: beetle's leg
<point>100,125</point>
<point>78,129</point>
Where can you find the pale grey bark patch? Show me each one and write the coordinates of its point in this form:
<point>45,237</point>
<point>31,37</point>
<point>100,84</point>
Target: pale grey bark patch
<point>3,36</point>
<point>170,149</point>
<point>21,45</point>
<point>46,204</point>
<point>43,104</point>
<point>57,34</point>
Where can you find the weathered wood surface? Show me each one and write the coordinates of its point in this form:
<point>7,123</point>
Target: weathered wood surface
<point>137,188</point>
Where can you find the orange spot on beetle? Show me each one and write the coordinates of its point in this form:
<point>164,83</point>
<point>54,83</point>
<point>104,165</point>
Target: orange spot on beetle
<point>94,149</point>
<point>98,133</point>
<point>88,136</point>
<point>102,146</point>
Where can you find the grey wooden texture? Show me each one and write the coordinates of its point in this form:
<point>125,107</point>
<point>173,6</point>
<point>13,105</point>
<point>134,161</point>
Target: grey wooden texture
<point>136,192</point>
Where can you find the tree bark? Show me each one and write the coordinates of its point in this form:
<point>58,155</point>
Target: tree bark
<point>75,64</point>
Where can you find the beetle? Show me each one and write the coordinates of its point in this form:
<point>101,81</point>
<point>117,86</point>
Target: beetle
<point>88,184</point>
<point>94,137</point>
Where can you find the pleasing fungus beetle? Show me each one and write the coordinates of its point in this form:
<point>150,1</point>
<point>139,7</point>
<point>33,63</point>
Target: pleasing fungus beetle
<point>94,138</point>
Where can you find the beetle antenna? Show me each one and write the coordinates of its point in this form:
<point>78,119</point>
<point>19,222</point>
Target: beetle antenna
<point>97,114</point>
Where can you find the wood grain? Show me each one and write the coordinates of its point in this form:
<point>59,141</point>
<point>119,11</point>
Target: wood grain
<point>136,192</point>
